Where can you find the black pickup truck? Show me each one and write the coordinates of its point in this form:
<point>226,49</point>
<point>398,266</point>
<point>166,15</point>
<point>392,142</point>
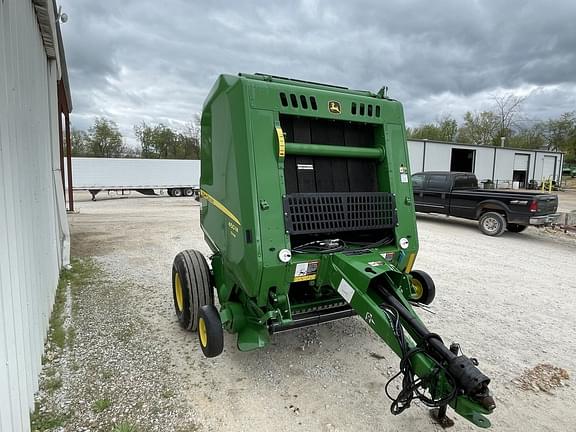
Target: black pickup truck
<point>457,194</point>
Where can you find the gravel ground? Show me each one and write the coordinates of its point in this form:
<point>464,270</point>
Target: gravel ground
<point>504,299</point>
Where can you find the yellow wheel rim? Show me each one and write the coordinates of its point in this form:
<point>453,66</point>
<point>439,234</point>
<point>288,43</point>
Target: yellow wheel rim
<point>202,332</point>
<point>418,289</point>
<point>179,293</point>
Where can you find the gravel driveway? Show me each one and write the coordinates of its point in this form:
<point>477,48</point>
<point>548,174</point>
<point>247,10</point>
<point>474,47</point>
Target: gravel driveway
<point>509,301</point>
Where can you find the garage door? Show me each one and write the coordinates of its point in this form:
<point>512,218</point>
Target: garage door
<point>521,162</point>
<point>548,166</point>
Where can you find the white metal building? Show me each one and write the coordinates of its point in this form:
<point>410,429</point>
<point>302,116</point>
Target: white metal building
<point>502,165</point>
<point>34,239</point>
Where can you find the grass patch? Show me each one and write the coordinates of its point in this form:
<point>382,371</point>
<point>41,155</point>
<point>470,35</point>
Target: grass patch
<point>47,421</point>
<point>125,427</point>
<point>51,384</point>
<point>70,337</point>
<point>80,274</point>
<point>101,405</point>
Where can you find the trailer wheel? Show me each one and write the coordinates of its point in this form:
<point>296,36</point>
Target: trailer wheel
<point>210,331</point>
<point>176,193</point>
<point>492,224</point>
<point>169,192</point>
<point>516,228</point>
<point>423,287</point>
<point>188,192</point>
<point>191,287</point>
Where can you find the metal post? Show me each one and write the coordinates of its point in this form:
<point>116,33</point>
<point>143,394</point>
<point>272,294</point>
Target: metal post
<point>69,161</point>
<point>61,140</point>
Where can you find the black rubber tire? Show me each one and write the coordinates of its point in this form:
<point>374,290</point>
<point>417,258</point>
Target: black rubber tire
<point>492,224</point>
<point>427,285</point>
<point>188,192</point>
<point>516,228</point>
<point>213,344</point>
<point>176,193</point>
<point>192,269</point>
<point>169,192</point>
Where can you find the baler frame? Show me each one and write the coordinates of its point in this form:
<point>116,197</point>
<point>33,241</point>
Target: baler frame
<point>297,243</point>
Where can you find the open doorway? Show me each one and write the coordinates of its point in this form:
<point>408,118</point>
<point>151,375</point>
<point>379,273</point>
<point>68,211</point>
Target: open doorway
<point>462,160</point>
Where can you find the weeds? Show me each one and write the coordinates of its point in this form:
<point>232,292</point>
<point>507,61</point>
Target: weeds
<point>125,427</point>
<point>101,405</point>
<point>40,422</point>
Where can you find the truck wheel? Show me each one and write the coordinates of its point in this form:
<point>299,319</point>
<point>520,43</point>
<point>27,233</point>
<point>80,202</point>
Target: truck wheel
<point>188,192</point>
<point>176,193</point>
<point>169,192</point>
<point>516,228</point>
<point>423,287</point>
<point>492,224</point>
<point>210,331</point>
<point>191,287</point>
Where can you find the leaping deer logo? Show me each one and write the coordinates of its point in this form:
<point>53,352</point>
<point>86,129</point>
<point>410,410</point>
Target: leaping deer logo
<point>334,107</point>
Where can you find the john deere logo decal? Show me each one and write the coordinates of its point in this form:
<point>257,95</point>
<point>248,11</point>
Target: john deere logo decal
<point>334,107</point>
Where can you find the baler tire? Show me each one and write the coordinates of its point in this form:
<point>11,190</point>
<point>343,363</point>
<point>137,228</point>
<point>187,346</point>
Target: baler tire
<point>426,291</point>
<point>210,332</point>
<point>191,268</point>
<point>492,219</point>
<point>516,228</point>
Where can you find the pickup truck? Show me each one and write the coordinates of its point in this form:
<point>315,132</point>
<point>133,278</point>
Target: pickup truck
<point>457,194</point>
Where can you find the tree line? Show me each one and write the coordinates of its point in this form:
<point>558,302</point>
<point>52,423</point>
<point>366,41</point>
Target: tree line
<point>504,123</point>
<point>155,141</point>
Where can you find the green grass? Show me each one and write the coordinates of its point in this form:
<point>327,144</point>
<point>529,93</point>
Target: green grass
<point>80,274</point>
<point>51,384</point>
<point>101,405</point>
<point>47,421</point>
<point>125,427</point>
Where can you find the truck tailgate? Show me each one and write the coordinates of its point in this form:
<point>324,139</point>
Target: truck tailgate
<point>547,204</point>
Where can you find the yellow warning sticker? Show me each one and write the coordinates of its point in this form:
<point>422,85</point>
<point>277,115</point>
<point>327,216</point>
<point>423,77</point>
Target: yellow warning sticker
<point>304,278</point>
<point>281,142</point>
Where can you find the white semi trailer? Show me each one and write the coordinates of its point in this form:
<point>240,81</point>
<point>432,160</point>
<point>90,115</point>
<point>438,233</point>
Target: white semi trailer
<point>147,176</point>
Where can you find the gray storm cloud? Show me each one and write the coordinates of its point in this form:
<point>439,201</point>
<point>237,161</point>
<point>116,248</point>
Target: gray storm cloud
<point>155,61</point>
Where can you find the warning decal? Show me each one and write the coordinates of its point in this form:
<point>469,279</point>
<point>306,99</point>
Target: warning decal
<point>306,271</point>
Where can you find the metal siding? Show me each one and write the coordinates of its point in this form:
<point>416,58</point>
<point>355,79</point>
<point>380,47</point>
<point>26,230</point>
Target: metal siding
<point>32,224</point>
<point>484,161</point>
<point>437,157</point>
<point>504,164</point>
<point>438,154</point>
<point>548,167</point>
<point>416,156</point>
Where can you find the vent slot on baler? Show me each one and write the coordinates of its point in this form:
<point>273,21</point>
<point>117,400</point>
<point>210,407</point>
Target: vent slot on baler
<point>334,197</point>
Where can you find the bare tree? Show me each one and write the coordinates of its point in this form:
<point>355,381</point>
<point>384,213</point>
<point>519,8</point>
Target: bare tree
<point>508,109</point>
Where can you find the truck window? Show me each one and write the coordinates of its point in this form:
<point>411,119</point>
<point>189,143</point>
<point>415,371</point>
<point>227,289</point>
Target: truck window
<point>465,182</point>
<point>418,181</point>
<point>438,182</point>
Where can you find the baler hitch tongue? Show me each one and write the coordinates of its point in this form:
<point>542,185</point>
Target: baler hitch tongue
<point>451,379</point>
<point>431,372</point>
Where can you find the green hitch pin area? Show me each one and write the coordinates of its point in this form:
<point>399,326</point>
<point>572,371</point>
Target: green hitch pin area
<point>306,205</point>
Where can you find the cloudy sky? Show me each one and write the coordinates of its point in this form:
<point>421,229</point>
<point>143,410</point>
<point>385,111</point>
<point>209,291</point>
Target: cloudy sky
<point>154,61</point>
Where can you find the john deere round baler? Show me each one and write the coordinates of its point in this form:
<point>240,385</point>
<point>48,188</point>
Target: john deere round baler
<point>306,203</point>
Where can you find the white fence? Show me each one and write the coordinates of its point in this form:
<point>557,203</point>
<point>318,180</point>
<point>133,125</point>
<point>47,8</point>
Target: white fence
<point>33,226</point>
